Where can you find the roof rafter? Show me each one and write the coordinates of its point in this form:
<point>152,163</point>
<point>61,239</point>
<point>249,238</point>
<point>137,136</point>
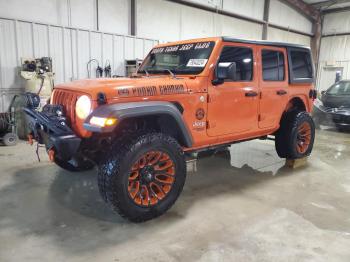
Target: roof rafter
<point>307,10</point>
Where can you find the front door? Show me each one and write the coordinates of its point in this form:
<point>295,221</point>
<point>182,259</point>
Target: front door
<point>233,105</point>
<point>273,82</point>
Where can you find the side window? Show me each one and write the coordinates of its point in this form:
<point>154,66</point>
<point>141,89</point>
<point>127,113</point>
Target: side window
<point>300,66</point>
<point>272,65</point>
<point>243,57</point>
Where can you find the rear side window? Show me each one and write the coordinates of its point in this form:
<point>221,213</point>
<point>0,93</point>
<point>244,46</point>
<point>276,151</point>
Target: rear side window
<point>243,57</point>
<point>300,66</point>
<point>272,65</point>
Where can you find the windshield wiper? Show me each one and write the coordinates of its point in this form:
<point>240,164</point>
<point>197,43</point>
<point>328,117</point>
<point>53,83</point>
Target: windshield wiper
<point>171,73</point>
<point>162,71</point>
<point>144,70</point>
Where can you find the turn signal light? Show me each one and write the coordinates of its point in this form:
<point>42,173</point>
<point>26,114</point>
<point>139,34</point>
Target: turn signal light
<point>102,121</point>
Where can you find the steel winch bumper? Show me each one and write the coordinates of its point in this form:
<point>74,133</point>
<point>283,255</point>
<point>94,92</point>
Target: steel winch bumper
<point>49,128</point>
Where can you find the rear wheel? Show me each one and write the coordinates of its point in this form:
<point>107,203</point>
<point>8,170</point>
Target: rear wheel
<point>143,177</point>
<point>296,135</point>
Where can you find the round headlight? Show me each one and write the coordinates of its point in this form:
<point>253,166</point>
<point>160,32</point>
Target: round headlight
<point>83,107</point>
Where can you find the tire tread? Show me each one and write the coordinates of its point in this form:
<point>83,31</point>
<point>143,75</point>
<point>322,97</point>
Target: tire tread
<point>124,148</point>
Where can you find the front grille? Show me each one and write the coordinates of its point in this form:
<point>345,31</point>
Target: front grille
<point>328,109</point>
<point>336,110</point>
<point>341,119</point>
<point>68,100</point>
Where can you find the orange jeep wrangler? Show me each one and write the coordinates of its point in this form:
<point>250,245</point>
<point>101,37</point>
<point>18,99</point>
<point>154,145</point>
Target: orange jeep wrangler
<point>186,97</point>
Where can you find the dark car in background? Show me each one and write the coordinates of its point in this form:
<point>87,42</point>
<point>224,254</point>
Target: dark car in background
<point>333,107</point>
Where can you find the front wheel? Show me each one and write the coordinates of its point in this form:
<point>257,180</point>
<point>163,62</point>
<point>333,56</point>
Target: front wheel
<point>296,135</point>
<point>143,177</point>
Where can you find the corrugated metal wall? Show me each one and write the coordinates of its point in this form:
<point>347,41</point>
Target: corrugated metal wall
<point>113,15</point>
<point>335,23</point>
<point>335,49</point>
<point>249,8</point>
<point>275,34</point>
<point>282,14</point>
<point>177,21</point>
<point>70,49</point>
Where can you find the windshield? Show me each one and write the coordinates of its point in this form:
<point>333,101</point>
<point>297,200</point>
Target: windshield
<point>179,59</point>
<point>340,89</point>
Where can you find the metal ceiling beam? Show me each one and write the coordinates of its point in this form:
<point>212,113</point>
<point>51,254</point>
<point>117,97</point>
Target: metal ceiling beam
<point>218,11</point>
<point>328,3</point>
<point>246,18</point>
<point>336,10</point>
<point>307,10</point>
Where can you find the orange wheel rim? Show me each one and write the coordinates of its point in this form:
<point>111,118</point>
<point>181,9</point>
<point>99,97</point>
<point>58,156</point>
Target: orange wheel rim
<point>303,137</point>
<point>151,178</point>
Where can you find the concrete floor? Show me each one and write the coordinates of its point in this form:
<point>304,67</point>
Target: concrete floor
<point>239,206</point>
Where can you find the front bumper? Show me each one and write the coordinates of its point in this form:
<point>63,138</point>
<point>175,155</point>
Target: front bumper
<point>337,116</point>
<point>52,130</point>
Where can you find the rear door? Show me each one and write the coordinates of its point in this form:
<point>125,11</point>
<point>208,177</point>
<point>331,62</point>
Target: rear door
<point>273,82</point>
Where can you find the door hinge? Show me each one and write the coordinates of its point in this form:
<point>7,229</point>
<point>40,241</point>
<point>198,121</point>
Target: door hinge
<point>259,118</point>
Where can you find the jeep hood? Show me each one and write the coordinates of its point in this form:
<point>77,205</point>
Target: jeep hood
<point>129,87</point>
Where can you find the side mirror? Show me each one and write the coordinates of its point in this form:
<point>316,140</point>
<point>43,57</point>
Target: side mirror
<point>224,71</point>
<point>323,92</point>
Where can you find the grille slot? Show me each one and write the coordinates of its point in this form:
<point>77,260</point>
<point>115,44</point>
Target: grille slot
<point>68,100</point>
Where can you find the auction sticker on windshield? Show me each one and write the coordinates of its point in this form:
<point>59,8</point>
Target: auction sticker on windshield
<point>197,62</point>
<point>182,47</point>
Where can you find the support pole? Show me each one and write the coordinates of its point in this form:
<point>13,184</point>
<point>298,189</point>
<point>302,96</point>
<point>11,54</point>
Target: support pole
<point>316,42</point>
<point>266,19</point>
<point>132,17</point>
<point>97,17</point>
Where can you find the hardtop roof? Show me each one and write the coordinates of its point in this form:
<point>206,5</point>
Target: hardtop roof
<point>237,40</point>
<point>262,42</point>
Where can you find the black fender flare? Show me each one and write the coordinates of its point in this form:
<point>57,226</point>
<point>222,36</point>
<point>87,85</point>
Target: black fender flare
<point>122,111</point>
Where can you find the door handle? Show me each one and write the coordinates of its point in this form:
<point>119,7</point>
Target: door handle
<point>251,94</point>
<point>281,92</point>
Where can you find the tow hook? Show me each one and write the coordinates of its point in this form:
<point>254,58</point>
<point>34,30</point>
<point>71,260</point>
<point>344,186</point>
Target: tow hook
<point>51,153</point>
<point>30,140</point>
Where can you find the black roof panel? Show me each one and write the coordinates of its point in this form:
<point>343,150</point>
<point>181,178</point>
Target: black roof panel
<point>262,42</point>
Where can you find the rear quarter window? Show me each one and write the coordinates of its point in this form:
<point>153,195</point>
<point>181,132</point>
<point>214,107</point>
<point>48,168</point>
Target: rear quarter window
<point>300,66</point>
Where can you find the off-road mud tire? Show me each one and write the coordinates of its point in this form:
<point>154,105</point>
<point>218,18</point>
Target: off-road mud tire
<point>286,138</point>
<point>114,173</point>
